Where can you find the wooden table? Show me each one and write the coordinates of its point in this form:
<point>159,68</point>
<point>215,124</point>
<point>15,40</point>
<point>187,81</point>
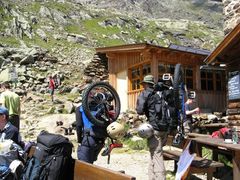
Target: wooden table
<point>219,144</point>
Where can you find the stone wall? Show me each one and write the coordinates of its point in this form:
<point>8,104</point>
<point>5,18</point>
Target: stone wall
<point>231,13</point>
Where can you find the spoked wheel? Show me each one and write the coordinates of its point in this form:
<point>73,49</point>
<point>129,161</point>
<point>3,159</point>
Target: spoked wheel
<point>178,87</point>
<point>101,103</point>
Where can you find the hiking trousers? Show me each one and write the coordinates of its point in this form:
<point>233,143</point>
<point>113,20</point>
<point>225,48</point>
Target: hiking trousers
<point>156,170</point>
<point>90,148</point>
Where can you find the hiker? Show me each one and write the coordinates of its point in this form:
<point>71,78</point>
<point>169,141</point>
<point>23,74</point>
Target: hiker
<point>51,87</point>
<point>189,112</point>
<point>157,139</point>
<point>91,137</point>
<point>11,101</point>
<point>7,130</point>
<point>57,81</point>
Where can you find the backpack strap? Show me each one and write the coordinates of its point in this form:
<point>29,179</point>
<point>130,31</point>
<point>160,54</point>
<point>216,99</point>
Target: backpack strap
<point>79,124</point>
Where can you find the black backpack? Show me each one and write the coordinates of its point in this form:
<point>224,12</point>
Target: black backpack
<point>51,160</point>
<point>165,116</point>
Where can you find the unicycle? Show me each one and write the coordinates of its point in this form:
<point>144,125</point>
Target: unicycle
<point>101,104</point>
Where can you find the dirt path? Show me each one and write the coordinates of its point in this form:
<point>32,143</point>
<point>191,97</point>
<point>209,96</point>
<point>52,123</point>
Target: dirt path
<point>134,164</point>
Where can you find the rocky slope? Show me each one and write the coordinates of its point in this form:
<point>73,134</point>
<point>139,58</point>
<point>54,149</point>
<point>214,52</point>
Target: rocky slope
<point>42,37</point>
<point>70,30</point>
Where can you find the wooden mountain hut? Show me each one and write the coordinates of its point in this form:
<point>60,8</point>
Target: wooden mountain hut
<point>128,64</point>
<point>227,54</point>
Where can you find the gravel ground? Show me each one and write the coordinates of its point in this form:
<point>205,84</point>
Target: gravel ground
<point>135,164</point>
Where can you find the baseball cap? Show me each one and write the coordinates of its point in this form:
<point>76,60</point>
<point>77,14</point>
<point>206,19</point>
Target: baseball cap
<point>3,110</point>
<point>148,79</point>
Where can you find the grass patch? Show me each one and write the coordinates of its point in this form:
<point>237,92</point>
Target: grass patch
<point>62,7</point>
<point>110,42</point>
<point>170,175</point>
<point>31,7</point>
<point>68,96</point>
<point>95,30</point>
<point>136,145</point>
<point>73,28</point>
<point>10,41</point>
<point>225,160</point>
<point>206,153</point>
<point>50,43</point>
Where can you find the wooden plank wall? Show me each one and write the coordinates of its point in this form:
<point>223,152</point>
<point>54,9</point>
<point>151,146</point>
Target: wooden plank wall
<point>118,62</point>
<point>212,100</point>
<point>121,61</point>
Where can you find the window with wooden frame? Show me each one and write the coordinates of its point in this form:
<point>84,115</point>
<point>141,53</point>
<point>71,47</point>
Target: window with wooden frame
<point>207,80</point>
<point>169,68</point>
<point>165,68</point>
<point>188,74</point>
<point>136,75</point>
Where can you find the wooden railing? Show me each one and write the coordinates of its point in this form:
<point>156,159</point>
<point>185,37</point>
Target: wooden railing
<point>132,98</point>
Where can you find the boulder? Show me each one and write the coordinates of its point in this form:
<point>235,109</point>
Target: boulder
<point>45,12</point>
<point>41,34</point>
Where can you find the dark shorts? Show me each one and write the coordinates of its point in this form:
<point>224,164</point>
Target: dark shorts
<point>89,149</point>
<point>51,91</point>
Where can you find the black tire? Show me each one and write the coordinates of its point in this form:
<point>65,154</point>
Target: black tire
<point>177,81</point>
<point>115,101</point>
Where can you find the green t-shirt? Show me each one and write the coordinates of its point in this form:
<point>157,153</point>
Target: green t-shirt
<point>11,101</point>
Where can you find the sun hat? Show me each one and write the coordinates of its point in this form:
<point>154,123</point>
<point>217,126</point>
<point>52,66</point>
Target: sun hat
<point>148,79</point>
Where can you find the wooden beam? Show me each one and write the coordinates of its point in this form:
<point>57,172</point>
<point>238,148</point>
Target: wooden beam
<point>86,171</point>
<point>154,67</point>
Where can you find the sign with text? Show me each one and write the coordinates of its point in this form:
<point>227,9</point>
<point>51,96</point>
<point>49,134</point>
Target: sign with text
<point>234,86</point>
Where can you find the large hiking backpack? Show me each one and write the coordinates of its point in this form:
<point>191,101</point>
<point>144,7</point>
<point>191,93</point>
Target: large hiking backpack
<point>166,112</point>
<point>51,160</point>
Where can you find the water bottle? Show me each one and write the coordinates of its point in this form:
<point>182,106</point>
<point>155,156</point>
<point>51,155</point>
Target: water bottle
<point>235,136</point>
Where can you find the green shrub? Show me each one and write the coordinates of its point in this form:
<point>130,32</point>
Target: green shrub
<point>207,153</point>
<point>224,160</point>
<point>136,145</point>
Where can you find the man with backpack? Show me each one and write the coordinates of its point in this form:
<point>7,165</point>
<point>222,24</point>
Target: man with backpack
<point>90,137</point>
<point>147,104</point>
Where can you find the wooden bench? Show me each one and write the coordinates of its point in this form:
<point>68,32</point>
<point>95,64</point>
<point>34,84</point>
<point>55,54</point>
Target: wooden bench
<point>198,165</point>
<point>85,171</point>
